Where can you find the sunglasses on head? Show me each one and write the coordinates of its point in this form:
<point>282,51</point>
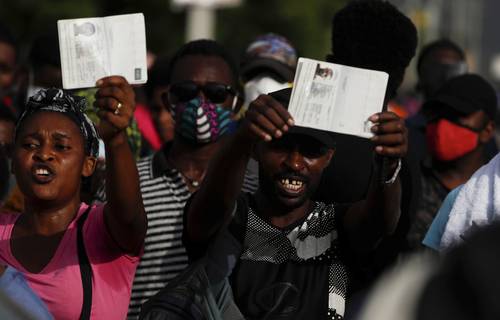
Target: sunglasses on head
<point>188,90</point>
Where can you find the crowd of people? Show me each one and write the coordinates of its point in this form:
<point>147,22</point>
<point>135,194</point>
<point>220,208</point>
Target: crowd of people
<point>196,196</point>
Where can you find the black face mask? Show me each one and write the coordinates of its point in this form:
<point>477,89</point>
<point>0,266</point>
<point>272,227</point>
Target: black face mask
<point>434,75</point>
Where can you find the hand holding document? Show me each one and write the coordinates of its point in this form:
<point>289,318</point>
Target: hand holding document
<point>336,98</point>
<point>93,48</point>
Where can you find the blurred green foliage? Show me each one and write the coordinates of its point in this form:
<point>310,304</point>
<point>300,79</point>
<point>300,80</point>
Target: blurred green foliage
<point>306,23</point>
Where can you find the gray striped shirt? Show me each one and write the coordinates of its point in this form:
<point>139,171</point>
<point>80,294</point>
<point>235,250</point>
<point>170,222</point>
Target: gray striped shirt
<point>164,194</point>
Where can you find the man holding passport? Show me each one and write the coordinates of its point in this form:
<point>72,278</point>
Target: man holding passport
<point>291,251</point>
<point>285,255</point>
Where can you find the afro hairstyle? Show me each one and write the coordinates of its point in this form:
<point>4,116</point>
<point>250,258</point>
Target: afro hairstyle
<point>374,35</point>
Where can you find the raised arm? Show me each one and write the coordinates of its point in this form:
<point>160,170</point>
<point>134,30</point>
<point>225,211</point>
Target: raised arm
<point>212,205</point>
<point>124,212</point>
<point>368,221</point>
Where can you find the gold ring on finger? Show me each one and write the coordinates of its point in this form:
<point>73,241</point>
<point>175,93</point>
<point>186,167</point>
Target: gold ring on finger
<point>118,107</point>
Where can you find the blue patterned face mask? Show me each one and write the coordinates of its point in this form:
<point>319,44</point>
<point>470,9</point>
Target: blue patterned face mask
<point>200,121</point>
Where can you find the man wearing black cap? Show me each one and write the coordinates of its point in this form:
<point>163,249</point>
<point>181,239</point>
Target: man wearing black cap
<point>459,127</point>
<point>290,261</point>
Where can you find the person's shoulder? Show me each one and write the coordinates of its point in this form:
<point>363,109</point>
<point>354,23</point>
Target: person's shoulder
<point>449,200</point>
<point>454,193</point>
<point>145,162</point>
<point>435,232</point>
<point>15,286</point>
<point>100,242</point>
<point>156,165</point>
<point>244,202</point>
<point>95,208</point>
<point>246,197</point>
<point>8,217</point>
<point>333,211</point>
<point>333,207</point>
<point>145,168</point>
<point>324,209</point>
<point>95,213</point>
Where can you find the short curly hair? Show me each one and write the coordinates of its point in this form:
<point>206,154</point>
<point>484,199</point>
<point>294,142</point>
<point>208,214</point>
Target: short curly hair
<point>375,35</point>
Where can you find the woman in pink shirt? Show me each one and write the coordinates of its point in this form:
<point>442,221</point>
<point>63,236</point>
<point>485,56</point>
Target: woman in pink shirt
<point>80,260</point>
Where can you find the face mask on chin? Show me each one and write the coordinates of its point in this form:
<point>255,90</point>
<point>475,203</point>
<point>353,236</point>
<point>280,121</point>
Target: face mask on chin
<point>448,141</point>
<point>199,121</point>
<point>262,85</point>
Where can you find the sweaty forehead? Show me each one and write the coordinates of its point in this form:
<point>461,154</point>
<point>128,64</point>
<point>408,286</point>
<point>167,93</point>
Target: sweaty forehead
<point>202,69</point>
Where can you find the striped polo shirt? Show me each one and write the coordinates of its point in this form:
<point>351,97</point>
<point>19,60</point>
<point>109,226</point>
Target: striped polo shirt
<point>164,194</point>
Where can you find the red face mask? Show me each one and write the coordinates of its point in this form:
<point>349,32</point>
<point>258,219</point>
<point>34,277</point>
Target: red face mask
<point>448,141</point>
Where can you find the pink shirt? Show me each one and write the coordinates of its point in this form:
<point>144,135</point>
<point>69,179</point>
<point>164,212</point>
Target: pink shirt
<point>59,284</point>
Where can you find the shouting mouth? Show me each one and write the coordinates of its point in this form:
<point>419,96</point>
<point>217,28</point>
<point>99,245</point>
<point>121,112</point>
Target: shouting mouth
<point>42,174</point>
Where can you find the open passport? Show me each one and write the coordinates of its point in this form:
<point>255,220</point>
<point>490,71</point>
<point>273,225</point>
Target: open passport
<point>92,48</point>
<point>336,98</point>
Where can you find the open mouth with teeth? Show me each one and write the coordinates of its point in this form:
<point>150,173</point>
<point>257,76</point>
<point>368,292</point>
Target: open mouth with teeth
<point>291,185</point>
<point>42,174</point>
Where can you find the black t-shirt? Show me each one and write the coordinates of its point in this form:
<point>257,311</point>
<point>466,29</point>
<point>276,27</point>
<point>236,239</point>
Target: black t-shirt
<point>293,273</point>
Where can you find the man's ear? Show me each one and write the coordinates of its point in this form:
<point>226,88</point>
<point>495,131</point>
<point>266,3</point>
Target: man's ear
<point>89,165</point>
<point>487,133</point>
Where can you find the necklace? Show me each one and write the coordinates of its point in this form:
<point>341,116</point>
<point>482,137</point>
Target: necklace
<point>195,183</point>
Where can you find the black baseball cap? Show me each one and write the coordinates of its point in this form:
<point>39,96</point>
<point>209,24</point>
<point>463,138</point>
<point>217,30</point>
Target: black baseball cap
<point>283,97</point>
<point>466,94</point>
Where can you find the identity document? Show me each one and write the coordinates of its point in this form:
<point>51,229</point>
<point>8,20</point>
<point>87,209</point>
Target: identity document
<point>92,48</point>
<point>336,98</point>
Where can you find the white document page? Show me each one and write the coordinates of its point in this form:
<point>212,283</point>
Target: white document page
<point>336,98</point>
<point>92,48</point>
